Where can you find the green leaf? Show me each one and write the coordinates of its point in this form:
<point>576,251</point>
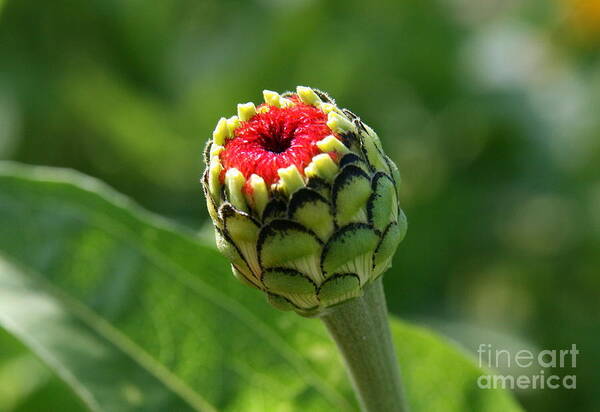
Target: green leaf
<point>23,376</point>
<point>106,370</point>
<point>172,297</point>
<point>103,280</point>
<point>439,377</point>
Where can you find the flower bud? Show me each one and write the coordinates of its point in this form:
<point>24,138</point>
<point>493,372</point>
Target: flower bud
<point>303,199</point>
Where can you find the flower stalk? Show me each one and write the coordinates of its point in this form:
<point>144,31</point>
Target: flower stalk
<point>361,331</point>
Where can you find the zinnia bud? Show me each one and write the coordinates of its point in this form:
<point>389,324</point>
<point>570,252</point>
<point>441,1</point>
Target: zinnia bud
<point>303,198</point>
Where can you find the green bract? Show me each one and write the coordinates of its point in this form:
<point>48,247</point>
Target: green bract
<point>317,236</point>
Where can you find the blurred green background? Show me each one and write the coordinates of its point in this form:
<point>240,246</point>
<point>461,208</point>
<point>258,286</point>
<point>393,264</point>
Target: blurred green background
<point>489,108</point>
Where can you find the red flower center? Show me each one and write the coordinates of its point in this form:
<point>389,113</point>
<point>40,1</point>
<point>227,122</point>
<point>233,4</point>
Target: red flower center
<point>276,139</point>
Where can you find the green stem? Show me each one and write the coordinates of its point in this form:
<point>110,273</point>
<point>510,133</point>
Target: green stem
<point>361,331</point>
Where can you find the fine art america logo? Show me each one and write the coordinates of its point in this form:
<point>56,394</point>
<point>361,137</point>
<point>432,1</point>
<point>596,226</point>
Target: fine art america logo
<point>529,361</point>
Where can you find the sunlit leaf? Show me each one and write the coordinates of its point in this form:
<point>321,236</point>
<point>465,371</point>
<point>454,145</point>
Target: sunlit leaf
<point>114,290</point>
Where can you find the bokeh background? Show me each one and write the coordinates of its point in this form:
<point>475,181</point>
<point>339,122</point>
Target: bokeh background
<point>490,108</point>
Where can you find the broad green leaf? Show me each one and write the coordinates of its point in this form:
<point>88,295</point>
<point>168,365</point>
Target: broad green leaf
<point>167,305</point>
<point>102,367</point>
<point>28,385</point>
<point>172,297</point>
<point>21,373</point>
<point>440,377</point>
<point>55,395</point>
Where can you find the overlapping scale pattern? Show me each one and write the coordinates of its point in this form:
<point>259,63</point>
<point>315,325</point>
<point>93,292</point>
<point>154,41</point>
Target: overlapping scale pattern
<point>318,217</point>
